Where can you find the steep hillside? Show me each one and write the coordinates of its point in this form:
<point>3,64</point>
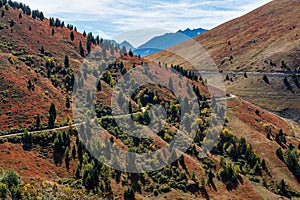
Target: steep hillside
<point>255,153</point>
<point>239,167</point>
<point>22,60</point>
<point>34,71</point>
<point>269,33</point>
<point>265,40</point>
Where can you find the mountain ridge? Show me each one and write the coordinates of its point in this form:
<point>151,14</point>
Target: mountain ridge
<point>266,39</point>
<point>127,44</point>
<point>35,72</point>
<point>166,40</point>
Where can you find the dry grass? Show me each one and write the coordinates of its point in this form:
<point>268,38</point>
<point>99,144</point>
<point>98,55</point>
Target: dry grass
<point>249,43</point>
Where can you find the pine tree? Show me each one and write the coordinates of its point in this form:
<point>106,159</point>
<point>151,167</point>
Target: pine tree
<point>129,194</point>
<point>81,50</point>
<point>282,190</point>
<point>80,151</point>
<point>97,40</point>
<point>66,62</point>
<point>227,78</point>
<point>210,177</point>
<point>78,171</point>
<point>130,108</point>
<point>11,178</point>
<point>42,16</point>
<point>52,115</point>
<point>29,85</point>
<point>193,176</point>
<point>12,23</point>
<point>72,36</point>
<point>51,21</point>
<point>52,31</point>
<point>42,50</point>
<point>279,154</point>
<point>38,121</point>
<point>84,34</point>
<point>99,86</point>
<point>68,102</point>
<point>130,53</point>
<point>263,164</point>
<point>90,176</point>
<point>88,46</point>
<point>67,158</point>
<point>74,152</point>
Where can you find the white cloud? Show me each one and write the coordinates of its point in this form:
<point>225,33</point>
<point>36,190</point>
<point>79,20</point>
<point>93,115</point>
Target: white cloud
<point>116,16</point>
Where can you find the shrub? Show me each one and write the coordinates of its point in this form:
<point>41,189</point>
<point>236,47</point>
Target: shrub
<point>281,187</point>
<point>279,154</point>
<point>3,190</point>
<point>165,188</point>
<point>11,178</point>
<point>291,158</point>
<point>155,192</point>
<point>229,174</point>
<point>280,137</point>
<point>129,194</point>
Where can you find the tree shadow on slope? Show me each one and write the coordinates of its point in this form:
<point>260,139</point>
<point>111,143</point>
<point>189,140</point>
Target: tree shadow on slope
<point>288,85</point>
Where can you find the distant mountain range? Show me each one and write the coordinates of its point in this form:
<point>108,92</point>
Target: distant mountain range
<point>127,45</point>
<point>163,42</point>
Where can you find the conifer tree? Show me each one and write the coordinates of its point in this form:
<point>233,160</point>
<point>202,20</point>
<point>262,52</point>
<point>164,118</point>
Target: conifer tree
<point>52,116</point>
<point>130,53</point>
<point>74,152</point>
<point>67,158</point>
<point>42,50</point>
<point>88,46</point>
<point>66,62</point>
<point>99,86</point>
<point>68,103</point>
<point>38,121</point>
<point>72,36</point>
<point>81,50</point>
<point>12,23</point>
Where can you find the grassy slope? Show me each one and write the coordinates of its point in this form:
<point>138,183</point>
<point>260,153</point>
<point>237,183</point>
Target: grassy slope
<point>246,123</point>
<point>241,121</point>
<point>18,104</point>
<point>60,45</point>
<point>269,33</point>
<point>43,167</point>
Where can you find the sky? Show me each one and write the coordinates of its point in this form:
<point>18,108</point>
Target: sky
<point>139,20</point>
